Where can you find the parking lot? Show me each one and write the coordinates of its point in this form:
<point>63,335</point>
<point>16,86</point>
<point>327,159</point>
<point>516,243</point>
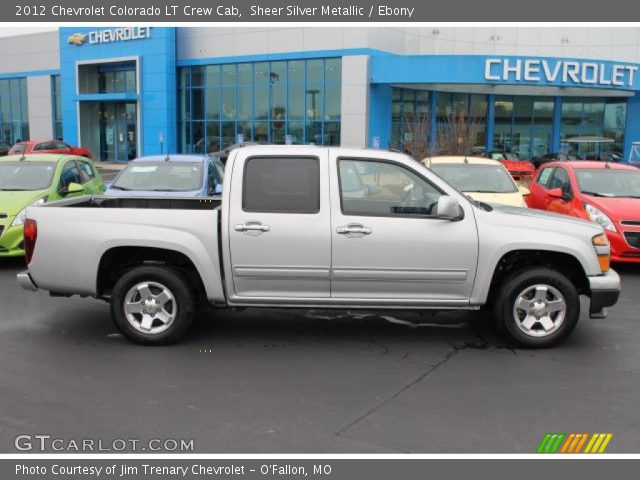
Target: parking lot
<point>295,381</point>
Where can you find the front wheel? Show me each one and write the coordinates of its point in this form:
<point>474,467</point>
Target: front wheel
<point>152,305</point>
<point>537,307</point>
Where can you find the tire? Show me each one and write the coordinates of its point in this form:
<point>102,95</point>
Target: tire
<point>161,305</point>
<point>543,321</point>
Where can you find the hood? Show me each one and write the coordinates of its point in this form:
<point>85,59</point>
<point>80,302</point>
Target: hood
<point>12,203</point>
<point>543,219</point>
<point>616,208</point>
<point>511,199</point>
<point>144,193</point>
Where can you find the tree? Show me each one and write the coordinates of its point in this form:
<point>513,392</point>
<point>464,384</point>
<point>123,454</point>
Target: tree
<point>415,140</point>
<point>456,135</point>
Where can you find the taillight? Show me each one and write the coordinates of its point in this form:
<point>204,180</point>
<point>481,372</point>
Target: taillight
<point>30,237</point>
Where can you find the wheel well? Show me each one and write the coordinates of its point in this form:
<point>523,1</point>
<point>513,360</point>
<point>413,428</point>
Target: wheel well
<point>562,262</point>
<point>115,262</point>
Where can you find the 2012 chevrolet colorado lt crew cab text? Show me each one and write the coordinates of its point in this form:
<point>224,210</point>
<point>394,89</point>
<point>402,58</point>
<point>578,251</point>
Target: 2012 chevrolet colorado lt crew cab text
<point>312,227</point>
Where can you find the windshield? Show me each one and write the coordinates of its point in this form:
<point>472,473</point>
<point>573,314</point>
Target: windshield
<point>26,175</point>
<point>476,178</point>
<point>161,176</point>
<point>609,182</point>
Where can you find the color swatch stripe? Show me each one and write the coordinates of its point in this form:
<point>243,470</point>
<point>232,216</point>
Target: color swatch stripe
<point>574,442</point>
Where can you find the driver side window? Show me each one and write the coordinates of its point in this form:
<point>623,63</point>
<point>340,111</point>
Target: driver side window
<point>70,174</point>
<point>560,179</point>
<point>379,188</point>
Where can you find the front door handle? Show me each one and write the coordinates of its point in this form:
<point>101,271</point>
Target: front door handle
<point>354,230</point>
<point>252,228</point>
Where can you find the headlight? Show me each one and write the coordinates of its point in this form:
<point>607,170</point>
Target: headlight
<point>19,220</point>
<point>599,217</point>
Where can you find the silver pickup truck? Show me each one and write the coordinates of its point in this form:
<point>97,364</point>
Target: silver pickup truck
<point>311,227</point>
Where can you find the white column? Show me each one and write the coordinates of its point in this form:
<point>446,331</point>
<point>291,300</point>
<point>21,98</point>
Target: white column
<point>40,107</point>
<point>355,101</point>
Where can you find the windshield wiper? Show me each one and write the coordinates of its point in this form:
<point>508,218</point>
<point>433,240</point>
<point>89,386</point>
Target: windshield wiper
<point>14,189</point>
<point>628,196</point>
<point>116,187</point>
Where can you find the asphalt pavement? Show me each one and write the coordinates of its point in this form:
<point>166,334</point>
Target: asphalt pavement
<point>283,381</point>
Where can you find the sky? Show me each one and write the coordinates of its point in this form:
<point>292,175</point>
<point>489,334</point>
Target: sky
<point>19,30</point>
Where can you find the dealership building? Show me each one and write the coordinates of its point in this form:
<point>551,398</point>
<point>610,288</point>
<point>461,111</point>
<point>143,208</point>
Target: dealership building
<point>126,92</point>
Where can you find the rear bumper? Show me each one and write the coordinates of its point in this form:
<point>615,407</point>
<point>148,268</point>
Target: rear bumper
<point>604,292</point>
<point>26,282</point>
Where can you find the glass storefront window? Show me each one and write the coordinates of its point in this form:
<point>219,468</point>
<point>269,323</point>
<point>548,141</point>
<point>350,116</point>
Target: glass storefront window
<point>523,125</point>
<point>407,106</point>
<point>56,103</point>
<point>14,121</point>
<point>598,117</point>
<point>264,101</point>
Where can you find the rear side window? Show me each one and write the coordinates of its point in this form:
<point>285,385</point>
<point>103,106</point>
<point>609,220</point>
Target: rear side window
<point>281,185</point>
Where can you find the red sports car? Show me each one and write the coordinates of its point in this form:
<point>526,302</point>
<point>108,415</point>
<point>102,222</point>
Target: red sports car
<point>520,170</point>
<point>605,193</point>
<point>48,146</point>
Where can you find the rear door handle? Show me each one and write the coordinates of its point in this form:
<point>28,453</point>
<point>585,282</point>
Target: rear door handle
<point>354,230</point>
<point>252,228</point>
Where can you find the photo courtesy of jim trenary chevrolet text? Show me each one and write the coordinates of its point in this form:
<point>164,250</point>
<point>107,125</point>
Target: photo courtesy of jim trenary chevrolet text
<point>285,240</point>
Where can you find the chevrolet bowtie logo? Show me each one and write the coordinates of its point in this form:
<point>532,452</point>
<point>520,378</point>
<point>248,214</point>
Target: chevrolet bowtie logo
<point>77,39</point>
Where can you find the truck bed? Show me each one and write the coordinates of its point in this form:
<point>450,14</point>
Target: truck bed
<point>72,241</point>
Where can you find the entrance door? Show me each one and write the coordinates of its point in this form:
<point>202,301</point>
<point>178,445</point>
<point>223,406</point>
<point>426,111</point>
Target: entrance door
<point>118,126</point>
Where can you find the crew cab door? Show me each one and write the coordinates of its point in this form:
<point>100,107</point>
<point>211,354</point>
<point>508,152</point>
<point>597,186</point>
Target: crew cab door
<point>279,226</point>
<point>388,246</point>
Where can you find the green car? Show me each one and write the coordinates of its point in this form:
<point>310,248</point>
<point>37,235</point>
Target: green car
<point>36,179</point>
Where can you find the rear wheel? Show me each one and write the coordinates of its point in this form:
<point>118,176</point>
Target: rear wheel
<point>537,307</point>
<point>152,305</point>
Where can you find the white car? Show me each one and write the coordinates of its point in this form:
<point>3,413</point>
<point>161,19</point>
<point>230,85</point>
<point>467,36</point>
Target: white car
<point>482,179</point>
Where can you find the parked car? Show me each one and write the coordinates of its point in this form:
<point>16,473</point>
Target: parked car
<point>48,146</point>
<point>285,235</point>
<point>34,180</point>
<point>169,175</point>
<point>4,149</point>
<point>608,194</point>
<point>554,157</point>
<point>482,179</point>
<point>520,170</point>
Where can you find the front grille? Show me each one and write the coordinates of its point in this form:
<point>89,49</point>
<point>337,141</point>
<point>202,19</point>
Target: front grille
<point>3,215</point>
<point>633,239</point>
<point>628,223</point>
<point>2,250</point>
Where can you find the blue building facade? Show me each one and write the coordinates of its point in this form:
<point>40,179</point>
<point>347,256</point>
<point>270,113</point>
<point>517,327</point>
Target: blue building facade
<point>131,91</point>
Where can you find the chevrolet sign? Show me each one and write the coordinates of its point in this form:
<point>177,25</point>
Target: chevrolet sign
<point>560,71</point>
<point>77,39</point>
<point>111,35</point>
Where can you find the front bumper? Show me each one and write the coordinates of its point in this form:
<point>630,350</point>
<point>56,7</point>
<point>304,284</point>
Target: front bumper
<point>621,251</point>
<point>11,240</point>
<point>604,292</point>
<point>26,282</point>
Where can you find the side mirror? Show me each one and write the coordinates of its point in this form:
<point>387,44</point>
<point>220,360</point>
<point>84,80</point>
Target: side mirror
<point>524,191</point>
<point>556,193</point>
<point>448,208</point>
<point>72,188</point>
